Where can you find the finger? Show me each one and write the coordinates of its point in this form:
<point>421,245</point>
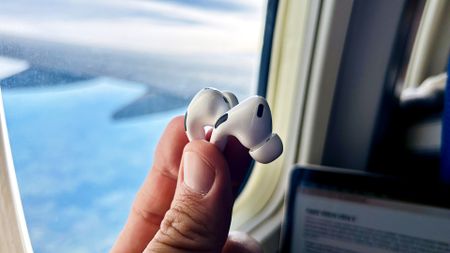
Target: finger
<point>200,214</point>
<point>239,242</point>
<point>239,162</point>
<point>155,195</point>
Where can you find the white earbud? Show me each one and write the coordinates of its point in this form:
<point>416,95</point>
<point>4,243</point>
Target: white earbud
<point>204,110</point>
<point>251,123</point>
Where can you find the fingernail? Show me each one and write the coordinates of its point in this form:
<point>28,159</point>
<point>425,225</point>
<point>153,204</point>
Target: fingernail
<point>198,175</point>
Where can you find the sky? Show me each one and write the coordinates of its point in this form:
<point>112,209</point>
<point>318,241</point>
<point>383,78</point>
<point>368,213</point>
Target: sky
<point>172,27</point>
<point>101,80</point>
<point>77,168</point>
<point>185,43</point>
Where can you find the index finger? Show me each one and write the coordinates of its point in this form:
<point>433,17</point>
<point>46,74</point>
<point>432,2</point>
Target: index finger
<point>239,162</point>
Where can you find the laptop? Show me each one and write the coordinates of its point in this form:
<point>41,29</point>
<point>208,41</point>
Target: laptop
<point>345,211</point>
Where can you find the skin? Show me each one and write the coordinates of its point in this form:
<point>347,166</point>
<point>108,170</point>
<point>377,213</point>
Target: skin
<point>168,216</point>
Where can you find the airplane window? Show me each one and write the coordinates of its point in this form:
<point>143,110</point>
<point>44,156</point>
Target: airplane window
<point>88,87</point>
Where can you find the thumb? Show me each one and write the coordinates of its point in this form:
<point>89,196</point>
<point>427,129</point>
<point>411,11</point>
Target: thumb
<point>200,214</point>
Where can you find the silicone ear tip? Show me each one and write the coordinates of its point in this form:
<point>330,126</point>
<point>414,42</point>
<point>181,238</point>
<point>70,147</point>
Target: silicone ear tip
<point>269,151</point>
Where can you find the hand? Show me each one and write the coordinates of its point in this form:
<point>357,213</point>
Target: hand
<point>186,200</point>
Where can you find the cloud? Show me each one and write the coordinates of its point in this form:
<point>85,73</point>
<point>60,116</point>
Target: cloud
<point>128,25</point>
<point>10,67</point>
<point>74,228</point>
<point>220,5</point>
<point>78,170</point>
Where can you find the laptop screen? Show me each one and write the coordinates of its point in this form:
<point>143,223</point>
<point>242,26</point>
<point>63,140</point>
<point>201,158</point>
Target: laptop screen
<point>345,213</point>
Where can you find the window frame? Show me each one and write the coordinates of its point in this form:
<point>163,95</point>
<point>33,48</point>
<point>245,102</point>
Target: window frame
<point>427,43</point>
<point>293,89</point>
<point>314,101</point>
<point>13,228</point>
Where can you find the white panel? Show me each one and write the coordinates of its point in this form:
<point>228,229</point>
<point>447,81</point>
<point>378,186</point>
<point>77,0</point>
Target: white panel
<point>13,230</point>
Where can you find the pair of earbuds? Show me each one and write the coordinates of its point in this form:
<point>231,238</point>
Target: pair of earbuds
<point>249,121</point>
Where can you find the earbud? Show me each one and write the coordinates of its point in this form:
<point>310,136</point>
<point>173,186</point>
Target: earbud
<point>204,110</point>
<point>251,123</point>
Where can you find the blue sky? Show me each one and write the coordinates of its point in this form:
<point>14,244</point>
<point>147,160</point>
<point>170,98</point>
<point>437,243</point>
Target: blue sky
<point>78,169</point>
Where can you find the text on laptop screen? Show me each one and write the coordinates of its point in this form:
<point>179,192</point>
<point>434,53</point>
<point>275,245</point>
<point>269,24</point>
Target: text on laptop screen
<point>337,221</point>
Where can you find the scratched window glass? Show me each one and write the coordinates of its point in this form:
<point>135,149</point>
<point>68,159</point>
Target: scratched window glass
<point>88,87</point>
